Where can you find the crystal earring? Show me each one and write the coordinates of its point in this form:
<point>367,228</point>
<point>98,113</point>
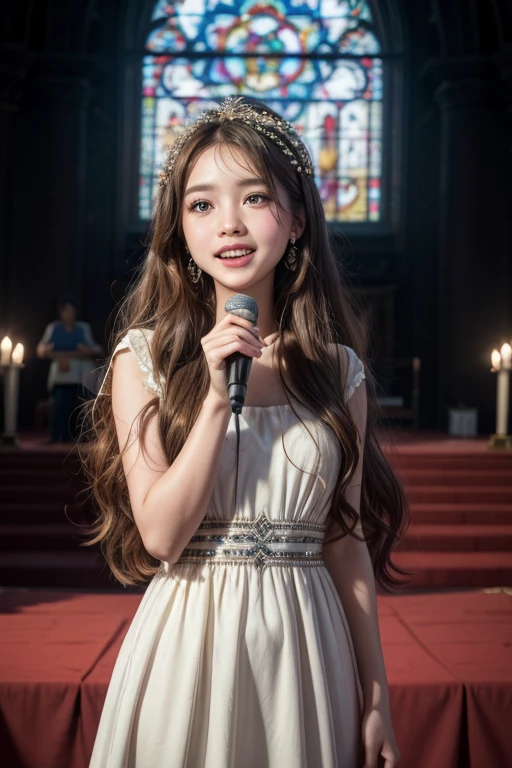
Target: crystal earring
<point>290,259</point>
<point>194,271</point>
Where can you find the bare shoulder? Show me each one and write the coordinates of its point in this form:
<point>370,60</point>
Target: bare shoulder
<point>126,371</point>
<point>129,395</point>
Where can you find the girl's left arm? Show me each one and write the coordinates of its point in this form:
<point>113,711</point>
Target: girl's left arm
<point>349,564</point>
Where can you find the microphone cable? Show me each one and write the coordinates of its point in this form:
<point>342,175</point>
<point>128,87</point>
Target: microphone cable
<point>239,367</point>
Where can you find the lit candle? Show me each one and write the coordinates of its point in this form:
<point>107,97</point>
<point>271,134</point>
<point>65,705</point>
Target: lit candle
<point>501,362</point>
<point>11,390</point>
<point>506,355</point>
<point>17,355</point>
<point>5,351</point>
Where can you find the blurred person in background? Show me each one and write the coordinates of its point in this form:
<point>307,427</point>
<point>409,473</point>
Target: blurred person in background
<point>70,345</point>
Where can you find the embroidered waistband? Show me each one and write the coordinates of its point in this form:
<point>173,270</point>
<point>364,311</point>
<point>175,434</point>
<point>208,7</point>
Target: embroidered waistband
<point>258,542</point>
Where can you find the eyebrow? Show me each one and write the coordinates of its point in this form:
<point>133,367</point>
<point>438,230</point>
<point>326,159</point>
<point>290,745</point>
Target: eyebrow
<point>210,187</point>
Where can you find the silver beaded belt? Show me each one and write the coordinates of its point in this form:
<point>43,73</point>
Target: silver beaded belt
<point>258,542</point>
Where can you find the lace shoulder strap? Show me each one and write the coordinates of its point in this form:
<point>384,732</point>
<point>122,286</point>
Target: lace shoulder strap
<point>139,341</point>
<point>355,373</point>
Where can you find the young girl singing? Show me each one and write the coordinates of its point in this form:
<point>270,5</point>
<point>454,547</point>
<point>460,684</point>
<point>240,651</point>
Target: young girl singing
<point>256,643</point>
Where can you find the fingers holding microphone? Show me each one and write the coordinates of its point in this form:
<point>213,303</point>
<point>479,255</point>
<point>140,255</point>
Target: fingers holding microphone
<point>230,335</point>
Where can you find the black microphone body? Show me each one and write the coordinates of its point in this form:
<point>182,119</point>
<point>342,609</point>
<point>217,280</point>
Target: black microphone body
<point>238,365</point>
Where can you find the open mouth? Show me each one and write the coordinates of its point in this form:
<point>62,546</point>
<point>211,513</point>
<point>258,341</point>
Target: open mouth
<point>237,253</point>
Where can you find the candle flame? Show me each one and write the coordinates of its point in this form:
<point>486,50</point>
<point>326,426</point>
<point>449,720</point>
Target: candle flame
<point>496,360</point>
<point>5,350</point>
<point>17,355</point>
<point>506,355</point>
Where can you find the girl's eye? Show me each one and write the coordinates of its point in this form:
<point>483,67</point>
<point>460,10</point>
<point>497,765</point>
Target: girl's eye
<point>201,206</point>
<point>257,197</point>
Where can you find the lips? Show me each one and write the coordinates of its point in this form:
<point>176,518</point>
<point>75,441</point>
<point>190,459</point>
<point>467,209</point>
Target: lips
<point>237,261</point>
<point>234,250</point>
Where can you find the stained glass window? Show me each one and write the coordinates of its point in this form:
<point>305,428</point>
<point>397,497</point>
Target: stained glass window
<point>314,61</point>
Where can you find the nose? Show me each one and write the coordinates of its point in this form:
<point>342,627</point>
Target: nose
<point>231,222</point>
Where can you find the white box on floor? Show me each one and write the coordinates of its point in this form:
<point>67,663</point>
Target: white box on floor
<point>463,422</point>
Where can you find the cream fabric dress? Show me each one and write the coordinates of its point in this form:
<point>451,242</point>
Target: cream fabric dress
<point>238,661</point>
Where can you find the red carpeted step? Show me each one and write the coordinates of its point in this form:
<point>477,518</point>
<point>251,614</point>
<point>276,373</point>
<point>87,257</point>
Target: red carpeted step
<point>457,538</point>
<point>501,478</point>
<point>460,497</point>
<point>440,494</point>
<point>85,568</point>
<point>40,475</point>
<point>462,461</point>
<point>24,459</point>
<point>66,492</point>
<point>33,513</point>
<point>42,537</point>
<point>442,570</point>
<point>472,514</point>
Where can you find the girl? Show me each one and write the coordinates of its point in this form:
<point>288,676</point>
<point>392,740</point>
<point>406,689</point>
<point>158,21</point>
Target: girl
<point>256,643</point>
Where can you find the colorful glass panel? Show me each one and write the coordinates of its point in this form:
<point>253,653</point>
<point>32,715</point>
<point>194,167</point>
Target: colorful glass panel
<point>314,61</point>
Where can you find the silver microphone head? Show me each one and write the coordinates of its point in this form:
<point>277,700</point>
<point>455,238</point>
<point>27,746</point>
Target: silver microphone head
<point>243,306</point>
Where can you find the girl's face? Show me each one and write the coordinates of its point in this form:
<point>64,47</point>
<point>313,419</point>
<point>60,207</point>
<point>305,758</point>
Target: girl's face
<point>227,210</point>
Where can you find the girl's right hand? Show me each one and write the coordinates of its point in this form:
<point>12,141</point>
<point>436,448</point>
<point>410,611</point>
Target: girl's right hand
<point>229,335</point>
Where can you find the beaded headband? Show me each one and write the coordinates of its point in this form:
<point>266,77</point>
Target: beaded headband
<point>233,109</point>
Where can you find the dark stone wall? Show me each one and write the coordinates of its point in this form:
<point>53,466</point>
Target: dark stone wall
<point>69,123</point>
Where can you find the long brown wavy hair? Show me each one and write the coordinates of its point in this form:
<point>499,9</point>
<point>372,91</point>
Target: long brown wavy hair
<point>313,308</point>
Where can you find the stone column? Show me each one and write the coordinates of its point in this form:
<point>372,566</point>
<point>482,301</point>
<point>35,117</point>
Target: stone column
<point>473,304</point>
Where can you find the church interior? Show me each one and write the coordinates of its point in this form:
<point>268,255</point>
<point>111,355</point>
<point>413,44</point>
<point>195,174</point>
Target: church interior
<point>406,108</point>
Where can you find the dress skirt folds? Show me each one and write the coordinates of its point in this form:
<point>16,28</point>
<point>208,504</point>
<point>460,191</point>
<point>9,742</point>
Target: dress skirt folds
<point>240,655</point>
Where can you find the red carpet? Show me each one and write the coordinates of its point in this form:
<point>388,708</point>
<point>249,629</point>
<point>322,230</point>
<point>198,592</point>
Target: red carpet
<point>460,494</point>
<point>448,660</point>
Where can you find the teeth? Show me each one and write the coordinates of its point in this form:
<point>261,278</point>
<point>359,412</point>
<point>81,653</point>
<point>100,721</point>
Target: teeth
<point>235,254</point>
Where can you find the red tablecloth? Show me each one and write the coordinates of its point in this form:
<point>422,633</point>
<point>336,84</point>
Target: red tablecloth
<point>470,634</point>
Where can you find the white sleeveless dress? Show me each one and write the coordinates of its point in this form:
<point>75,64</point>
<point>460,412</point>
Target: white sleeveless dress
<point>240,655</point>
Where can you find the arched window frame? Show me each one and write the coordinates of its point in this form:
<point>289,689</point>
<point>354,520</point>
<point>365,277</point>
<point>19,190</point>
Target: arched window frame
<point>388,23</point>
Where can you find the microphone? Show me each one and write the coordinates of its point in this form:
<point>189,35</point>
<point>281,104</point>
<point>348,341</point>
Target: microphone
<point>238,365</point>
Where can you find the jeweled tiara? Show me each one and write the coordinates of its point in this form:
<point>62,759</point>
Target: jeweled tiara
<point>233,108</point>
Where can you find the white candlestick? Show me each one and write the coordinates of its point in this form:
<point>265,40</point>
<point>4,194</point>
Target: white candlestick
<point>12,376</point>
<point>502,401</point>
